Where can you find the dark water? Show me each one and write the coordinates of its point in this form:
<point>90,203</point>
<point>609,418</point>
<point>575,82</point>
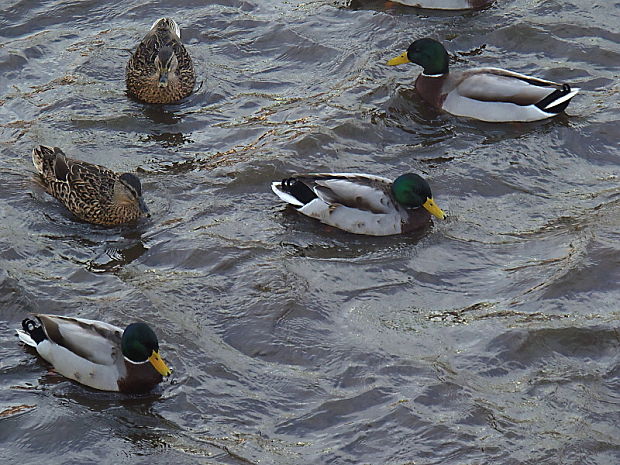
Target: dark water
<point>490,339</point>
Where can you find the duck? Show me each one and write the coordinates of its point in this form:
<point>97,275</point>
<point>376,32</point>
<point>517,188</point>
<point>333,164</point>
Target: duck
<point>161,70</point>
<point>362,203</point>
<point>446,4</point>
<point>97,354</point>
<point>91,192</point>
<point>486,94</point>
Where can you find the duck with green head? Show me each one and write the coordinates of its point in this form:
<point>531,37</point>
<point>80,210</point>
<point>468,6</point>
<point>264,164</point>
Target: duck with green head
<point>362,203</point>
<point>97,354</point>
<point>486,94</point>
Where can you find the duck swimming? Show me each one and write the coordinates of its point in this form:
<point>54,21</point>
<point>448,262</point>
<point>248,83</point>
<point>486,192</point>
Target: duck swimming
<point>97,354</point>
<point>161,70</point>
<point>487,94</point>
<point>91,192</point>
<point>362,203</point>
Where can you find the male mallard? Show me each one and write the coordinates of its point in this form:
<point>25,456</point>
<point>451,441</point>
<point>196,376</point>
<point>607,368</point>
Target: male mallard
<point>93,193</point>
<point>446,4</point>
<point>98,354</point>
<point>487,94</point>
<point>161,70</point>
<point>361,203</point>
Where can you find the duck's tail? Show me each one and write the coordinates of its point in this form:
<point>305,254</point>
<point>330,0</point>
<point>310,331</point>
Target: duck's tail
<point>558,100</point>
<point>293,191</point>
<point>167,23</point>
<point>31,334</point>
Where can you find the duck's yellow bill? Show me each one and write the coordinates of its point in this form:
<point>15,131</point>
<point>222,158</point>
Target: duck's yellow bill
<point>433,209</point>
<point>399,60</point>
<point>159,364</point>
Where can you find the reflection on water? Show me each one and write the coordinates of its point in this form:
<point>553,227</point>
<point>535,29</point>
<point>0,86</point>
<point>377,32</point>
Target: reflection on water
<point>159,114</point>
<point>168,139</point>
<point>114,258</point>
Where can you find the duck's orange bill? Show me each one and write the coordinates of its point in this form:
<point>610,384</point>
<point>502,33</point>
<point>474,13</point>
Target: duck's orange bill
<point>433,209</point>
<point>159,364</point>
<point>399,60</point>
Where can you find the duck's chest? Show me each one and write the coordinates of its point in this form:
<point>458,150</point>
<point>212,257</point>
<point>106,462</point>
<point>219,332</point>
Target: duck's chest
<point>432,89</point>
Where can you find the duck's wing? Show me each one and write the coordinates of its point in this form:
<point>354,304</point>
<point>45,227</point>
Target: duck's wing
<point>500,85</point>
<point>358,191</point>
<point>358,203</point>
<point>94,341</point>
<point>143,58</point>
<point>495,94</point>
<point>91,181</point>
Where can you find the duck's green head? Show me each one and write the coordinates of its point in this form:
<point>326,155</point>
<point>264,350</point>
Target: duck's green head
<point>166,64</point>
<point>428,53</point>
<point>140,344</point>
<point>412,191</point>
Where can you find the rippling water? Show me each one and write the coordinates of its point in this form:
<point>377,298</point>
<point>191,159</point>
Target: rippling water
<point>492,338</point>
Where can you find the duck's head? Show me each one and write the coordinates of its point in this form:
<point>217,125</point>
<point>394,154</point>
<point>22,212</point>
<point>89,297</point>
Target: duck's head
<point>412,191</point>
<point>128,191</point>
<point>428,53</point>
<point>140,344</point>
<point>166,64</point>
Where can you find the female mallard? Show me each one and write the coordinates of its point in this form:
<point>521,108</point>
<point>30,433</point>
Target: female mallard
<point>446,4</point>
<point>361,203</point>
<point>488,94</point>
<point>98,354</point>
<point>161,70</point>
<point>93,193</point>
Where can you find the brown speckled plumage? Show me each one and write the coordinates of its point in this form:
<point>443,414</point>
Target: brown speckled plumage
<point>143,76</point>
<point>91,192</point>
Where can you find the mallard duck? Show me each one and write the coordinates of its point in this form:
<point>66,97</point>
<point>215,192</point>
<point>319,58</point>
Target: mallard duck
<point>362,203</point>
<point>446,4</point>
<point>93,193</point>
<point>161,70</point>
<point>97,354</point>
<point>487,94</point>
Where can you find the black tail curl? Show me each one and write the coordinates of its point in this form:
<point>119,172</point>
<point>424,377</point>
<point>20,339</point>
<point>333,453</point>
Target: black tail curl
<point>36,332</point>
<point>298,189</point>
<point>553,96</point>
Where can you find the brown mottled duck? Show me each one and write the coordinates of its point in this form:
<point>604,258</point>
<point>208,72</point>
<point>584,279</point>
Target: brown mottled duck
<point>91,192</point>
<point>161,70</point>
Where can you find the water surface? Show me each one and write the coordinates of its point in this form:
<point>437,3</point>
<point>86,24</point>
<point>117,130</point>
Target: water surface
<point>491,338</point>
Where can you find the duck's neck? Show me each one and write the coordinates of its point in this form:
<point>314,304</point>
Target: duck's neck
<point>417,219</point>
<point>430,88</point>
<point>429,75</point>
